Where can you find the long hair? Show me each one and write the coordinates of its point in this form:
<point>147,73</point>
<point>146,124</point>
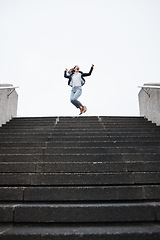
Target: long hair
<point>71,70</point>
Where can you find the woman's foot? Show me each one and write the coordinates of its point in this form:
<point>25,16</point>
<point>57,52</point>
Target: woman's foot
<point>84,109</point>
<point>81,110</point>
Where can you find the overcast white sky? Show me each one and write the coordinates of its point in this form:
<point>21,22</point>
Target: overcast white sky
<point>40,38</point>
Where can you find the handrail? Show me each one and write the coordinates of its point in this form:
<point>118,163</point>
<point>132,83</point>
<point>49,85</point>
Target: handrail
<point>1,88</point>
<point>149,86</point>
<point>10,88</point>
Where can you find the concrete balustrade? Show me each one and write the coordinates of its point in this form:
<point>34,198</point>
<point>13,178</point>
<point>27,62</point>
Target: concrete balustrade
<point>149,102</point>
<point>8,103</point>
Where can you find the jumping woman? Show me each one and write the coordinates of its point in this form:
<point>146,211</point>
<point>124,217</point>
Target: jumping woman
<point>76,81</point>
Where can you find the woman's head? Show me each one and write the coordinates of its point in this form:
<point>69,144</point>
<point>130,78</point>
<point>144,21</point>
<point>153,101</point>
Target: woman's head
<point>76,68</point>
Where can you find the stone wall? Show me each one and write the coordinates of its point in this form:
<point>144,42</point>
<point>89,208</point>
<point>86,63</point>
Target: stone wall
<point>8,103</point>
<point>149,102</point>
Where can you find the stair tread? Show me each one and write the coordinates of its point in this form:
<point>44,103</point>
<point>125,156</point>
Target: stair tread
<point>100,171</point>
<point>80,229</point>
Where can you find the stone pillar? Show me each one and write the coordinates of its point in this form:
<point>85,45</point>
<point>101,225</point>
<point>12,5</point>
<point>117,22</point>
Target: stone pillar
<point>8,103</point>
<point>149,102</point>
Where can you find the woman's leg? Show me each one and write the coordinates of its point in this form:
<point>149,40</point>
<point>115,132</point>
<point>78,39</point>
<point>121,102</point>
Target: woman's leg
<point>75,94</point>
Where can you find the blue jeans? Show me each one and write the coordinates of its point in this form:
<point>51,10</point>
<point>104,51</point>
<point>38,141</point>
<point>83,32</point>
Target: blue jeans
<point>75,94</point>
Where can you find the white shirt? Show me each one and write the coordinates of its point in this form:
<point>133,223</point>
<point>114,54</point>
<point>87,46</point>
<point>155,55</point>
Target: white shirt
<point>76,79</point>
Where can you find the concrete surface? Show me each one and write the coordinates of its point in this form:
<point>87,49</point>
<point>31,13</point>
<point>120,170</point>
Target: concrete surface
<point>8,104</point>
<point>149,103</point>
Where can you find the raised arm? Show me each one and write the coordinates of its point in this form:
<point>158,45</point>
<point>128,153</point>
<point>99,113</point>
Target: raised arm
<point>65,73</point>
<point>88,74</point>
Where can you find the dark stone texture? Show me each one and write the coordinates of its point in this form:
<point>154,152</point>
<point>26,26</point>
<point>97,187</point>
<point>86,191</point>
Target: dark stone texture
<point>70,193</point>
<point>96,167</point>
<point>4,227</point>
<point>106,138</point>
<point>17,167</point>
<point>85,213</point>
<point>110,157</point>
<point>130,193</point>
<point>101,150</point>
<point>147,231</point>
<point>152,192</point>
<point>81,178</point>
<point>21,158</point>
<point>98,143</point>
<point>144,166</point>
<point>11,194</point>
<point>10,179</point>
<point>16,142</point>
<point>157,212</point>
<point>83,193</point>
<point>147,178</point>
<point>6,213</point>
<point>103,133</point>
<point>21,150</point>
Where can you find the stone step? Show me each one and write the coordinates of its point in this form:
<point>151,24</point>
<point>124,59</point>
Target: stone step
<point>125,126</point>
<point>83,231</point>
<point>80,212</point>
<point>118,127</point>
<point>43,139</point>
<point>125,120</point>
<point>44,131</point>
<point>107,132</point>
<point>21,150</point>
<point>57,119</point>
<point>70,134</point>
<point>89,118</point>
<point>28,123</point>
<point>84,172</point>
<point>33,118</point>
<point>26,128</point>
<point>84,133</point>
<point>139,118</point>
<point>24,138</point>
<point>79,167</point>
<point>81,119</point>
<point>101,143</point>
<point>35,144</point>
<point>80,193</point>
<point>101,123</point>
<point>78,131</point>
<point>79,150</point>
<point>59,124</point>
<point>64,143</point>
<point>109,122</point>
<point>96,150</point>
<point>110,130</point>
<point>107,157</point>
<point>54,179</point>
<point>107,139</point>
<point>53,130</point>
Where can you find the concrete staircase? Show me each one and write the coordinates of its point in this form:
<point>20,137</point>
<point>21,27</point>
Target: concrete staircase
<point>80,178</point>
